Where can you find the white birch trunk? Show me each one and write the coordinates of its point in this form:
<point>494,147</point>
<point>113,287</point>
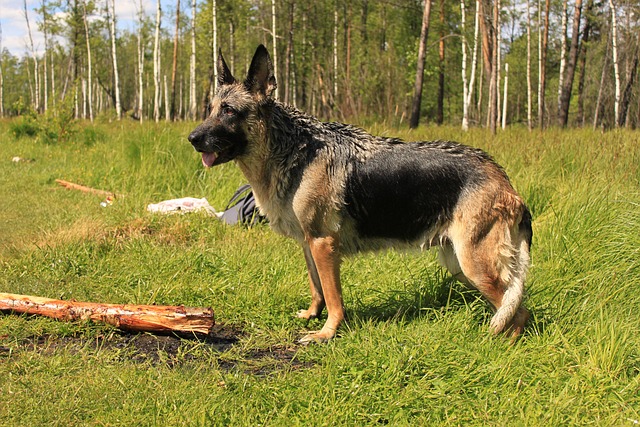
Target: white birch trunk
<point>498,66</point>
<point>44,57</point>
<point>192,64</point>
<point>140,64</point>
<point>616,66</point>
<point>504,96</point>
<point>214,23</point>
<point>539,58</point>
<point>89,64</point>
<point>156,66</point>
<point>275,49</point>
<point>36,100</point>
<point>465,105</point>
<point>167,110</point>
<point>111,16</point>
<point>563,51</point>
<point>84,97</point>
<point>335,53</point>
<point>529,89</point>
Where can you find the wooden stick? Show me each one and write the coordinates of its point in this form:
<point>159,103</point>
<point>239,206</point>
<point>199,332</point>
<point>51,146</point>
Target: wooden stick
<point>150,318</point>
<point>84,189</point>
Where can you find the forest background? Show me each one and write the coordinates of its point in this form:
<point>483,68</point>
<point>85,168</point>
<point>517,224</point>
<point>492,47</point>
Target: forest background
<point>488,63</point>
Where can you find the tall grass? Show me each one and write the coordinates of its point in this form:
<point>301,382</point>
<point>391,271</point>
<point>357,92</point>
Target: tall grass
<point>416,348</point>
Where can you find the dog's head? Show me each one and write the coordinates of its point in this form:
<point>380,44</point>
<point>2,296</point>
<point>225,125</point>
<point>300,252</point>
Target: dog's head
<point>235,111</point>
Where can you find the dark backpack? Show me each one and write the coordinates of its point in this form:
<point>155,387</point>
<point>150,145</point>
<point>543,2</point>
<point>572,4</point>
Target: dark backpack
<point>242,208</point>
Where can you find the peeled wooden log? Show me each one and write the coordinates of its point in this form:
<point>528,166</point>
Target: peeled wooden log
<point>85,189</point>
<point>149,318</point>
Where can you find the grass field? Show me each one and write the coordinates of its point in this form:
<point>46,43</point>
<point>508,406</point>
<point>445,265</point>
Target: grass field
<point>416,348</point>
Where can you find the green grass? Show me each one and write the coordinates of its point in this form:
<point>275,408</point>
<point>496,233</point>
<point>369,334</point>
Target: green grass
<point>416,348</point>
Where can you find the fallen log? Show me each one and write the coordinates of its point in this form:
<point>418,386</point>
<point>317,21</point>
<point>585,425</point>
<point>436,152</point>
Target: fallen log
<point>85,189</point>
<point>149,318</point>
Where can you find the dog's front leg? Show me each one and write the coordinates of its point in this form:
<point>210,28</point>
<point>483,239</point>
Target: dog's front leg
<point>326,256</point>
<point>317,297</point>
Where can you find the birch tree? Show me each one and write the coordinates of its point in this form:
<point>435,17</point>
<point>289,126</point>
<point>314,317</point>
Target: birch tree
<point>441,70</point>
<point>89,62</point>
<point>111,18</point>
<point>422,49</point>
<point>156,65</point>
<point>140,58</point>
<point>563,52</point>
<point>45,33</point>
<point>467,86</point>
<point>174,66</point>
<point>529,88</point>
<point>504,96</point>
<point>567,86</point>
<point>192,64</point>
<point>34,56</point>
<point>543,40</point>
<point>275,47</point>
<point>616,67</point>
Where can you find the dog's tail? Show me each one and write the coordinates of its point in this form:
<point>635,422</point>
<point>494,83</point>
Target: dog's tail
<point>515,257</point>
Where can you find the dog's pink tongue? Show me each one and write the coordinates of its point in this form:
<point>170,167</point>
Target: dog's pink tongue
<point>208,159</point>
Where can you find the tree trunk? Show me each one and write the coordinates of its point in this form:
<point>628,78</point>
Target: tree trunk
<point>335,53</point>
<point>542,62</point>
<point>417,90</point>
<point>36,100</point>
<point>440,110</point>
<point>275,48</point>
<point>1,78</point>
<point>616,68</point>
<point>140,63</point>
<point>529,88</point>
<point>492,114</point>
<point>563,53</point>
<point>465,90</point>
<point>174,66</point>
<point>156,66</point>
<point>626,94</point>
<point>44,57</point>
<point>288,56</point>
<point>111,16</point>
<point>89,62</point>
<point>504,96</point>
<point>192,65</point>
<point>167,109</point>
<point>582,59</point>
<point>567,87</point>
<point>148,318</point>
<point>603,78</point>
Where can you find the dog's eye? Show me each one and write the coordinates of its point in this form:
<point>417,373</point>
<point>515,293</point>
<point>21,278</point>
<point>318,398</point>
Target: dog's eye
<point>228,111</point>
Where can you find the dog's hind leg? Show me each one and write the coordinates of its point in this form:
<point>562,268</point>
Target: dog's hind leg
<point>326,256</point>
<point>317,297</point>
<point>496,268</point>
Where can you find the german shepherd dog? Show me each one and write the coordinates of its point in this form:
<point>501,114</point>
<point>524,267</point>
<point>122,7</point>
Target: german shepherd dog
<point>338,190</point>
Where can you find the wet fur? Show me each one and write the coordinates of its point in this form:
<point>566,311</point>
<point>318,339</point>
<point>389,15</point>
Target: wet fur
<point>338,190</point>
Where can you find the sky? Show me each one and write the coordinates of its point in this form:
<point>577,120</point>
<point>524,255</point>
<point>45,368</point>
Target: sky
<point>15,36</point>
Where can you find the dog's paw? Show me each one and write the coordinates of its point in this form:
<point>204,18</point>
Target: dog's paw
<point>318,337</point>
<point>306,314</point>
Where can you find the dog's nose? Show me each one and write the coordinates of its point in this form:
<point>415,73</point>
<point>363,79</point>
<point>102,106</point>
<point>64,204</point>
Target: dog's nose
<point>196,136</point>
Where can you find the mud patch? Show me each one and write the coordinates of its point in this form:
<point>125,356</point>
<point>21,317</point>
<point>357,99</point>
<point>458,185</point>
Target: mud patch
<point>219,348</point>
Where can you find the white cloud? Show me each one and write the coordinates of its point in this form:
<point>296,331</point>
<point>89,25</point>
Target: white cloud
<point>15,36</point>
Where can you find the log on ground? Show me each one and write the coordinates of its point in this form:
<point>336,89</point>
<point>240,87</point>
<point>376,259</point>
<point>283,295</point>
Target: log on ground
<point>149,318</point>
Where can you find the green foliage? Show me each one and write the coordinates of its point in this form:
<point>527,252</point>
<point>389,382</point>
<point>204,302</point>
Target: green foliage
<point>415,349</point>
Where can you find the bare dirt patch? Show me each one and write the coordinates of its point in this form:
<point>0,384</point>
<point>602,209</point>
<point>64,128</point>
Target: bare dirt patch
<point>218,348</point>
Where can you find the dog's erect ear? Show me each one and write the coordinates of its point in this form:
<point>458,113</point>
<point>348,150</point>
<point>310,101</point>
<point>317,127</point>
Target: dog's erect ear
<point>224,74</point>
<point>260,79</point>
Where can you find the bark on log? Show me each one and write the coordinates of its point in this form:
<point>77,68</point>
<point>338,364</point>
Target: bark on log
<point>147,318</point>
